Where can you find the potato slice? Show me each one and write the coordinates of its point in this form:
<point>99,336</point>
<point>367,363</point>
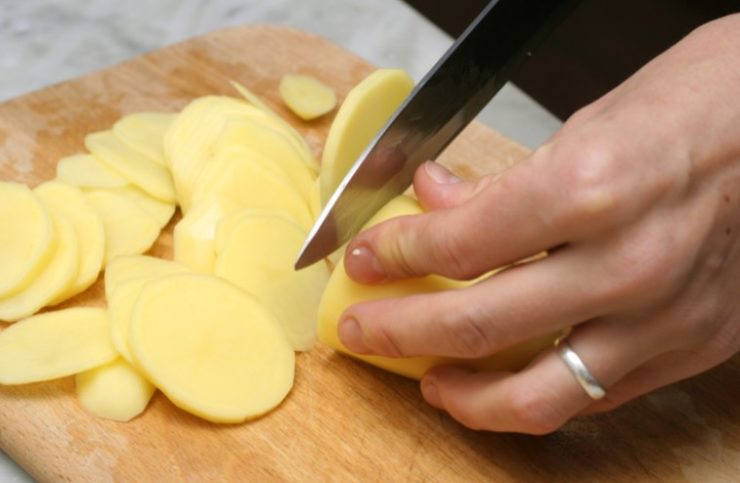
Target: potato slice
<point>151,177</point>
<point>160,211</point>
<point>68,201</point>
<point>55,278</point>
<point>251,185</point>
<point>129,230</point>
<point>195,234</point>
<point>55,344</point>
<point>365,110</point>
<point>211,348</point>
<point>342,292</point>
<point>314,200</point>
<point>126,268</point>
<point>122,299</point>
<point>145,131</point>
<point>114,391</point>
<point>306,96</point>
<point>257,254</point>
<point>86,171</point>
<point>27,237</point>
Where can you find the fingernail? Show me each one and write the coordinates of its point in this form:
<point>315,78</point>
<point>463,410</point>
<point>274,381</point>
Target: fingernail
<point>370,269</point>
<point>430,392</point>
<point>440,174</point>
<point>351,336</point>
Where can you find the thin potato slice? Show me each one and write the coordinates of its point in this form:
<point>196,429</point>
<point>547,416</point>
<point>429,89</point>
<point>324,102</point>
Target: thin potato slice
<point>129,230</point>
<point>307,96</point>
<point>365,110</point>
<point>314,199</point>
<point>55,344</point>
<point>27,237</point>
<point>145,131</point>
<point>257,254</point>
<point>151,177</point>
<point>195,234</point>
<point>160,211</point>
<point>126,268</point>
<point>341,292</point>
<point>211,348</point>
<point>69,202</point>
<point>250,185</point>
<point>114,391</point>
<point>55,278</point>
<point>86,171</point>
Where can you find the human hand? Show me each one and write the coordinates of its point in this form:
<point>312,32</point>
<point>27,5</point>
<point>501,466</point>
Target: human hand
<point>637,200</point>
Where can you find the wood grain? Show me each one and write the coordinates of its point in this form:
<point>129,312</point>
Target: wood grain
<point>344,421</point>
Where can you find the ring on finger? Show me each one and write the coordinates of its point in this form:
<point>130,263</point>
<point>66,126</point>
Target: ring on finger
<point>575,365</point>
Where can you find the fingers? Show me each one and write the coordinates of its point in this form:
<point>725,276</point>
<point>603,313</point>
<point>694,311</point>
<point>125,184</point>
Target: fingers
<point>437,187</point>
<point>483,318</point>
<point>545,395</point>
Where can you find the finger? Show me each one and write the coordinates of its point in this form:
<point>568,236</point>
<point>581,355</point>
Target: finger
<point>488,316</point>
<point>437,187</point>
<point>506,219</point>
<point>545,395</point>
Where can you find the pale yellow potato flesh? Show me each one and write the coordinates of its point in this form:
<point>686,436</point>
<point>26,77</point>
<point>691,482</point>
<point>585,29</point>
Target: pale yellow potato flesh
<point>114,391</point>
<point>211,348</point>
<point>129,229</point>
<point>54,279</point>
<point>307,96</point>
<point>314,199</point>
<point>342,292</point>
<point>145,131</point>
<point>251,185</point>
<point>69,202</point>
<point>126,268</point>
<point>86,171</point>
<point>27,237</point>
<point>122,299</point>
<point>195,234</point>
<point>160,211</point>
<point>54,345</point>
<point>365,110</point>
<point>148,175</point>
<point>257,254</point>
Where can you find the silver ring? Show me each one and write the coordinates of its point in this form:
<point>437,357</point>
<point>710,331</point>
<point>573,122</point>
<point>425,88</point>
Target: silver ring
<point>579,370</point>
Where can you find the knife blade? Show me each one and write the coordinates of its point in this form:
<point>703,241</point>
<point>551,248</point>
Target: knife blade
<point>451,94</point>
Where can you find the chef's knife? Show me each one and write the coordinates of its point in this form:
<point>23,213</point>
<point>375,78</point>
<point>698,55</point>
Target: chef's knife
<point>461,83</point>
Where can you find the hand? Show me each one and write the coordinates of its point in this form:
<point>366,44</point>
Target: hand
<point>637,200</point>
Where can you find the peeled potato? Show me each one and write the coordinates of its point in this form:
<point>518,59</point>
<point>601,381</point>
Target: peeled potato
<point>342,292</point>
<point>148,175</point>
<point>314,200</point>
<point>195,234</point>
<point>145,131</point>
<point>126,268</point>
<point>129,230</point>
<point>86,171</point>
<point>114,391</point>
<point>55,278</point>
<point>257,254</point>
<point>306,96</point>
<point>365,110</point>
<point>250,185</point>
<point>211,348</point>
<point>27,237</point>
<point>69,202</point>
<point>54,345</point>
<point>160,211</point>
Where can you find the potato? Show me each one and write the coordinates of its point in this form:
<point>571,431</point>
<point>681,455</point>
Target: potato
<point>27,237</point>
<point>160,211</point>
<point>145,131</point>
<point>54,345</point>
<point>365,110</point>
<point>151,177</point>
<point>256,252</point>
<point>129,230</point>
<point>195,234</point>
<point>314,200</point>
<point>306,96</point>
<point>342,292</point>
<point>69,202</point>
<point>114,391</point>
<point>250,185</point>
<point>126,268</point>
<point>55,278</point>
<point>211,348</point>
<point>86,171</point>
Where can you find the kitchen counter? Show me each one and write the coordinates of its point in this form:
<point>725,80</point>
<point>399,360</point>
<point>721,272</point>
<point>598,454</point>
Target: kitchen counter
<point>46,41</point>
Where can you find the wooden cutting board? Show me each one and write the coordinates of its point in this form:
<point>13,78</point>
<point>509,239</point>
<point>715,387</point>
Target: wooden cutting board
<point>343,421</point>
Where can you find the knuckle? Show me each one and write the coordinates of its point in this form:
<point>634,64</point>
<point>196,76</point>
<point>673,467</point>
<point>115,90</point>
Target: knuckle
<point>451,254</point>
<point>590,177</point>
<point>468,332</point>
<point>533,411</point>
<point>382,338</point>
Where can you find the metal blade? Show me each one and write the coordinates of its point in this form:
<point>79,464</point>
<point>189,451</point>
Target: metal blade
<point>454,91</point>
